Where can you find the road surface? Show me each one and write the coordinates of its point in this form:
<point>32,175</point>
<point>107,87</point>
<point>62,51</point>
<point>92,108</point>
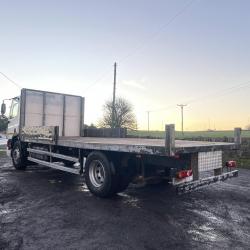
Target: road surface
<point>48,209</point>
<point>3,141</point>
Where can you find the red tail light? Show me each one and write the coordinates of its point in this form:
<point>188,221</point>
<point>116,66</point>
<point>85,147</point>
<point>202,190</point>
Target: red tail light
<point>184,173</point>
<point>231,164</point>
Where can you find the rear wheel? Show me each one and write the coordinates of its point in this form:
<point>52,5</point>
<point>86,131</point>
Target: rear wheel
<point>100,175</point>
<point>18,156</point>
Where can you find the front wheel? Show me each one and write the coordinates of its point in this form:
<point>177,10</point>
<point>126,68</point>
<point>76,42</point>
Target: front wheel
<point>18,157</point>
<point>100,175</point>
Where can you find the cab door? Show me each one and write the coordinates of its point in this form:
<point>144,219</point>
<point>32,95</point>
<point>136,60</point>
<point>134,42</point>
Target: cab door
<point>13,126</point>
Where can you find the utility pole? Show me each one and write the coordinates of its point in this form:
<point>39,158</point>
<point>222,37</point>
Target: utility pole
<point>114,90</point>
<point>182,106</point>
<point>148,120</point>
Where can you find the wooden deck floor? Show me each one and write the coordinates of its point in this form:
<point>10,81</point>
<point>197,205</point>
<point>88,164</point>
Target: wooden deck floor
<point>141,146</point>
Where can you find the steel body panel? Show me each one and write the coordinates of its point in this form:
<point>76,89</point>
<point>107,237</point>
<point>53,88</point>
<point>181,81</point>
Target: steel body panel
<point>33,108</point>
<point>53,111</point>
<point>73,108</point>
<point>40,108</point>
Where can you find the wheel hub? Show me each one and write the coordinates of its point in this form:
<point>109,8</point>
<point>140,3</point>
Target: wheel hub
<point>97,173</point>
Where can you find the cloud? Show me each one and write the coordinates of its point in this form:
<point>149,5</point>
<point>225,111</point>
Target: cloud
<point>136,84</point>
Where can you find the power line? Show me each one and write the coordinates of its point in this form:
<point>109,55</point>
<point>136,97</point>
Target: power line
<point>155,34</point>
<point>16,84</point>
<point>221,92</point>
<point>143,44</point>
<point>130,54</point>
<point>106,72</point>
<point>163,109</point>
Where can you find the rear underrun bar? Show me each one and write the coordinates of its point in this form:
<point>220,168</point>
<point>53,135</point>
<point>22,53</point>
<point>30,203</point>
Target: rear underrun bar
<point>194,185</point>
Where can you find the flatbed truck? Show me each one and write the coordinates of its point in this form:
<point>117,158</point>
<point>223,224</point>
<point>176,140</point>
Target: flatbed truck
<point>46,128</point>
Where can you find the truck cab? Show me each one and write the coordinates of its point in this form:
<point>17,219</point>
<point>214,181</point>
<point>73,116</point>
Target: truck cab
<point>13,118</point>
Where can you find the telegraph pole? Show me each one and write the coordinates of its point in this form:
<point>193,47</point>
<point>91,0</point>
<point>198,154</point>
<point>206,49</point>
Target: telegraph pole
<point>182,106</point>
<point>114,90</point>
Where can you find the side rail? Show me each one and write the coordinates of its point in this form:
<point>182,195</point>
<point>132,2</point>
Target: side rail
<point>40,134</point>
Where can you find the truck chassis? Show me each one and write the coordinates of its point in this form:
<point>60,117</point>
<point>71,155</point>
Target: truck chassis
<point>110,164</point>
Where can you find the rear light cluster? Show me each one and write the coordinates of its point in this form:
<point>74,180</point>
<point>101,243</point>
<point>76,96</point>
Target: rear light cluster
<point>184,173</point>
<point>231,164</point>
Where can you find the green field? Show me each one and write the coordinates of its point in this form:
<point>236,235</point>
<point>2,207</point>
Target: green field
<point>189,134</point>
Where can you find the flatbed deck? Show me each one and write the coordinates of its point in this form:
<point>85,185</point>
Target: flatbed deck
<point>141,145</point>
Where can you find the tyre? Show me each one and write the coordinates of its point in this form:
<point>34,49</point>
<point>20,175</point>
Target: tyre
<point>18,156</point>
<point>100,175</point>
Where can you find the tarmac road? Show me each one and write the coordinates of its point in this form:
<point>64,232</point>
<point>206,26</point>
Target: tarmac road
<point>47,209</point>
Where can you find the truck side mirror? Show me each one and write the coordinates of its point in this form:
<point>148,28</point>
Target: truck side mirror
<point>3,108</point>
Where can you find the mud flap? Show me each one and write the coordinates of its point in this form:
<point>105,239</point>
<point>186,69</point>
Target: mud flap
<point>194,185</point>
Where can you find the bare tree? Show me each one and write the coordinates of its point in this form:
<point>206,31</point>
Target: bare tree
<point>123,115</point>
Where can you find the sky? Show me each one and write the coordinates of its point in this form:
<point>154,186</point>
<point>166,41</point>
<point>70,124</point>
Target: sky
<point>168,52</point>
